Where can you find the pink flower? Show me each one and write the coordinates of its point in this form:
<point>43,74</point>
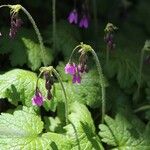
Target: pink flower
<point>38,98</point>
<point>84,22</point>
<point>73,17</point>
<point>73,70</point>
<point>70,69</point>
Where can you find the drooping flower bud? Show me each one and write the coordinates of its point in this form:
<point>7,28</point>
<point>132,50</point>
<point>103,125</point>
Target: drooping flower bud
<point>49,95</point>
<point>15,25</point>
<point>82,67</point>
<point>48,83</point>
<point>109,35</point>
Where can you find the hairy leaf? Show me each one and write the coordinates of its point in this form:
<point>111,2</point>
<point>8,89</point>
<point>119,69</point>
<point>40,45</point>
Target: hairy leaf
<point>125,67</point>
<point>22,131</point>
<point>36,55</point>
<point>24,49</point>
<point>81,130</point>
<point>124,133</point>
<point>59,141</point>
<point>19,85</point>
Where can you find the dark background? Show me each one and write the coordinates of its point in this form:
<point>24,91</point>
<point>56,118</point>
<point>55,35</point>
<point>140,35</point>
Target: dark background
<point>130,16</point>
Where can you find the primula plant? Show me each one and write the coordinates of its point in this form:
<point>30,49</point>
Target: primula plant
<point>82,83</point>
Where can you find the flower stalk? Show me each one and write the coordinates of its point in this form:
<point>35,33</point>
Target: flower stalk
<point>145,48</point>
<point>51,70</point>
<point>87,48</point>
<point>54,23</point>
<point>140,72</point>
<point>102,83</point>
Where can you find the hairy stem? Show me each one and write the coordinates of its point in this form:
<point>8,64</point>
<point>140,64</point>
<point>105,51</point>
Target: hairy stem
<point>70,59</point>
<point>95,19</point>
<point>37,33</point>
<point>54,23</point>
<point>64,91</point>
<point>102,83</point>
<point>140,73</point>
<point>107,56</point>
<point>4,6</point>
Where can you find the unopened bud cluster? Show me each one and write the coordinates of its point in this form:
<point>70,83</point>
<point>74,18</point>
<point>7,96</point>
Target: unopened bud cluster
<point>48,84</point>
<point>109,36</point>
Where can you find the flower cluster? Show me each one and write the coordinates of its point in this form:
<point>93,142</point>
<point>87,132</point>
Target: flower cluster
<point>73,18</point>
<point>109,39</point>
<point>72,69</point>
<point>38,99</point>
<point>109,35</point>
<point>77,70</point>
<point>15,25</point>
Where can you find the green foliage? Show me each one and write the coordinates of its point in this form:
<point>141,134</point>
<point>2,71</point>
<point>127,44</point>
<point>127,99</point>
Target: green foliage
<point>59,141</point>
<point>19,85</point>
<point>142,13</point>
<point>35,54</point>
<point>22,131</point>
<point>23,50</point>
<point>124,66</point>
<point>88,92</point>
<point>66,39</point>
<point>125,132</point>
<point>81,130</point>
<point>148,91</point>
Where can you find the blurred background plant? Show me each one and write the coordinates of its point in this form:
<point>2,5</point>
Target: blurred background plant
<point>130,16</point>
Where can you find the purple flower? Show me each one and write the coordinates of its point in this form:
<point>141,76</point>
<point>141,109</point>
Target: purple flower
<point>38,98</point>
<point>15,25</point>
<point>84,22</point>
<point>73,16</point>
<point>70,69</point>
<point>76,78</point>
<point>73,70</point>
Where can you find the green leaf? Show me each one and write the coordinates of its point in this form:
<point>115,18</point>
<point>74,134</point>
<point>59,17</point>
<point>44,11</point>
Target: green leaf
<point>123,133</point>
<point>19,85</point>
<point>22,131</point>
<point>13,47</point>
<point>81,130</point>
<point>24,49</point>
<point>53,124</point>
<point>59,141</point>
<point>35,54</point>
<point>88,92</point>
<point>125,66</point>
<point>66,39</point>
